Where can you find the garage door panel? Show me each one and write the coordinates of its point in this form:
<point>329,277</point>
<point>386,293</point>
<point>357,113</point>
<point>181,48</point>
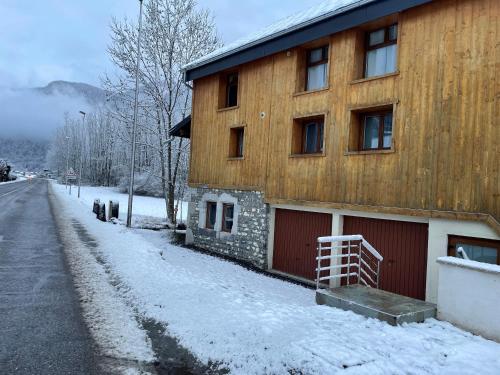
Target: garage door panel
<point>404,248</point>
<point>295,236</point>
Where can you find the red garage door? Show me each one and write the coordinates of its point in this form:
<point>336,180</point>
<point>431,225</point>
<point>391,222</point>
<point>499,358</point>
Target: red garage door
<point>404,248</point>
<point>295,236</point>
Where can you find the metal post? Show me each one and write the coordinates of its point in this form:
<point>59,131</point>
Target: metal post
<point>348,261</point>
<point>319,265</point>
<point>134,124</point>
<point>359,264</point>
<point>378,272</point>
<point>81,157</point>
<point>67,161</point>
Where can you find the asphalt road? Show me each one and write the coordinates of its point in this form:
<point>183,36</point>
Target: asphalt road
<point>41,327</point>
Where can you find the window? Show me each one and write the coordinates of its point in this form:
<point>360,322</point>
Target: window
<point>381,51</point>
<point>478,249</point>
<point>376,131</point>
<point>232,90</point>
<point>308,135</point>
<point>317,68</point>
<point>236,142</point>
<point>211,215</point>
<point>227,217</point>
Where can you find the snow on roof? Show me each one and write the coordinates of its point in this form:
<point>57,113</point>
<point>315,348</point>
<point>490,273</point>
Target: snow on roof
<point>323,10</point>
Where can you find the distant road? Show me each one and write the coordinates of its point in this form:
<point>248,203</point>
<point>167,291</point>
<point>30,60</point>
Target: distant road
<point>41,327</point>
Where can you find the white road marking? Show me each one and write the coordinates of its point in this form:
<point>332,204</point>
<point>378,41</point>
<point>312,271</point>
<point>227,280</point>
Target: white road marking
<point>13,191</point>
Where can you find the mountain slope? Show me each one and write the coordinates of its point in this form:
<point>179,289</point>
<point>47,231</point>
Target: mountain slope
<point>92,94</point>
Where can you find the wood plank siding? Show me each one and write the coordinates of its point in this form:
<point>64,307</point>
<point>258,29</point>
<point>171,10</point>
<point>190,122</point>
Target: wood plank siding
<point>445,97</point>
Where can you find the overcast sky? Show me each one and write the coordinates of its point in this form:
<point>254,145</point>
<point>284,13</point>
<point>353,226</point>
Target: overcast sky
<point>46,40</point>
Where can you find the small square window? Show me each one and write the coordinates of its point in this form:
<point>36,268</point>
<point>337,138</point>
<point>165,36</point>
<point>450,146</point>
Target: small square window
<point>376,131</point>
<point>227,217</point>
<point>308,135</point>
<point>236,142</point>
<point>211,215</point>
<point>371,129</point>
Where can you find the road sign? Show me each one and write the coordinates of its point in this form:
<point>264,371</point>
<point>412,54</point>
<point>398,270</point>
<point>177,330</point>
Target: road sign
<point>70,174</point>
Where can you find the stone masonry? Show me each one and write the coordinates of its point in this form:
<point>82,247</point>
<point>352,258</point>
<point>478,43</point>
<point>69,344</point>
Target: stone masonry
<point>248,238</point>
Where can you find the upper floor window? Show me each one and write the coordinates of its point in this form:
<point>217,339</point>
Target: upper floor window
<point>376,131</point>
<point>317,68</point>
<point>228,90</point>
<point>232,90</point>
<point>236,142</point>
<point>308,134</point>
<point>381,51</point>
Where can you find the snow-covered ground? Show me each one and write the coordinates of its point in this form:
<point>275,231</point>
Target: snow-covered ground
<point>255,324</point>
<point>142,206</point>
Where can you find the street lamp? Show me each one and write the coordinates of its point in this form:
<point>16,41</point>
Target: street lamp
<point>134,123</point>
<point>81,155</point>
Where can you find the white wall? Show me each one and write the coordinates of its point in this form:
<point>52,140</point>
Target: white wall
<point>439,229</point>
<point>469,296</point>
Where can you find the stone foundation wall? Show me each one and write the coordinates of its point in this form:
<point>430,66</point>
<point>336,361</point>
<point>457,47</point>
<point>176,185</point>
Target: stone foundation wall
<point>248,238</point>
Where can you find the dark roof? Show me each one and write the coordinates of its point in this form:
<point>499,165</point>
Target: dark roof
<point>182,129</point>
<point>363,12</point>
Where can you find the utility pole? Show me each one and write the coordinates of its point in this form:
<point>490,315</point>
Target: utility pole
<point>81,155</point>
<point>67,161</point>
<point>134,124</point>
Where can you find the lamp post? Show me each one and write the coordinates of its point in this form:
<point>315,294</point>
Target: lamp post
<point>134,123</point>
<point>81,156</point>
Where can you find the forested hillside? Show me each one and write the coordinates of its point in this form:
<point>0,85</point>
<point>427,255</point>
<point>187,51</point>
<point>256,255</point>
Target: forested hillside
<point>24,154</point>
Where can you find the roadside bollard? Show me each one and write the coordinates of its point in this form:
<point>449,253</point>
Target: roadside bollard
<point>113,210</point>
<point>95,209</point>
<point>101,214</point>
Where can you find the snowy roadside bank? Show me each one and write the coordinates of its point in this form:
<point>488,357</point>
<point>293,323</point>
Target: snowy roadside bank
<point>255,324</point>
<point>143,206</point>
<point>19,179</point>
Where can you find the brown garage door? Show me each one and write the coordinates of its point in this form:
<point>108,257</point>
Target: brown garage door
<point>404,248</point>
<point>295,236</point>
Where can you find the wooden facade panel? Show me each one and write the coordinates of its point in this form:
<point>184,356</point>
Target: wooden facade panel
<point>446,127</point>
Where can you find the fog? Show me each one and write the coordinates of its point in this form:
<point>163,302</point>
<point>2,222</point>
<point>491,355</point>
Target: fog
<point>27,113</point>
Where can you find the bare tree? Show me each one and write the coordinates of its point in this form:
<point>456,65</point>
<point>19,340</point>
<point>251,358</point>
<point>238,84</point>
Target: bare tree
<point>175,33</point>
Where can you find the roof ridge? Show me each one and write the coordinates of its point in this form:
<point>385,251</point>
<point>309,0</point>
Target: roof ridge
<point>280,27</point>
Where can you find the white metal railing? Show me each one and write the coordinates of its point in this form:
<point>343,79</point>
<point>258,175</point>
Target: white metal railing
<point>347,257</point>
<point>461,253</point>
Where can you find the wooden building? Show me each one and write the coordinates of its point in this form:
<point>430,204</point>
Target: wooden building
<point>378,118</point>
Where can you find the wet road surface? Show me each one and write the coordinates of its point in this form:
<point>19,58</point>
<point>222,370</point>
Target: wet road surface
<point>41,327</point>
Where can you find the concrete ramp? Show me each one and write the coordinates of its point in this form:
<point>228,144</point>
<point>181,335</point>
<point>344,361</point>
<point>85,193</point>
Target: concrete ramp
<point>375,303</point>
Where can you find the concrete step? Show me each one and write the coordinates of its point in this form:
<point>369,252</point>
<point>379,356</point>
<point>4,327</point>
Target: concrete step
<point>375,303</point>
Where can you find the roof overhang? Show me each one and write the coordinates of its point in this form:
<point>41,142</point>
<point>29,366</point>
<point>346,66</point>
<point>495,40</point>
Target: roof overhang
<point>182,129</point>
<point>336,23</point>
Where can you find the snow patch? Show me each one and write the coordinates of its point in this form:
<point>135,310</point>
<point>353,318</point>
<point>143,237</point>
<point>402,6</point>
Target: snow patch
<point>471,264</point>
<point>314,14</point>
<point>255,324</point>
<point>110,320</point>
